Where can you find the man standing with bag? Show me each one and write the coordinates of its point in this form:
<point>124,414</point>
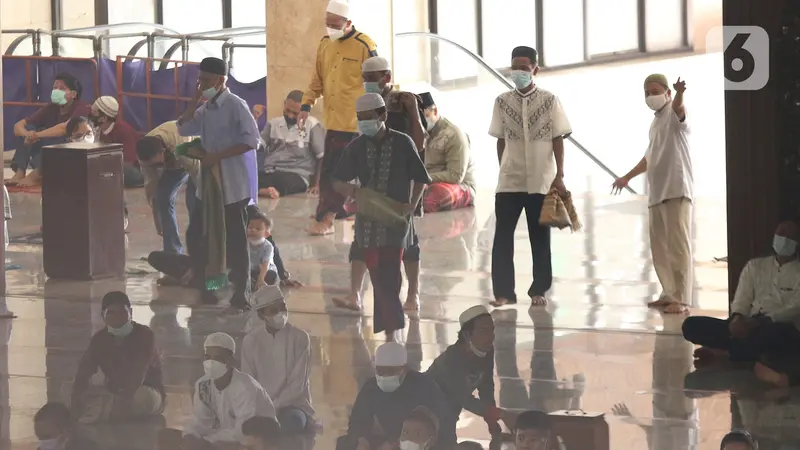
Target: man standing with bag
<point>337,78</point>
<point>668,165</point>
<point>530,126</point>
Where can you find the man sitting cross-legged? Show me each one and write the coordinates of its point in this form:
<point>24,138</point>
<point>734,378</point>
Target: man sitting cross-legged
<point>765,312</point>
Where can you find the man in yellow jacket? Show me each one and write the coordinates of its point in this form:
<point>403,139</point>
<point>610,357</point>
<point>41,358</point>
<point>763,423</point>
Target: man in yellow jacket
<point>337,77</point>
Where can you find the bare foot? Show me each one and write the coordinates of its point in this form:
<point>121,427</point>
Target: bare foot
<point>501,301</point>
<point>351,302</point>
<point>661,302</point>
<point>412,303</point>
<point>710,354</point>
<point>269,192</point>
<point>167,280</point>
<point>19,175</point>
<point>33,179</point>
<point>674,308</point>
<point>771,376</point>
<point>321,229</point>
<point>538,300</point>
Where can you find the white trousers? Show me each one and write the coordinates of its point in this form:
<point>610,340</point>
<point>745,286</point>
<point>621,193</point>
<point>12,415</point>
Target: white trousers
<point>671,246</point>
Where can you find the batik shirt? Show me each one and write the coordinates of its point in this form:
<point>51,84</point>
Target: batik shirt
<point>528,122</point>
<point>387,167</point>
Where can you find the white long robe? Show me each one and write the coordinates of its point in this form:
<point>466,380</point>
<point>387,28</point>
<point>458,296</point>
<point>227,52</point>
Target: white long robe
<point>282,364</point>
<point>218,415</point>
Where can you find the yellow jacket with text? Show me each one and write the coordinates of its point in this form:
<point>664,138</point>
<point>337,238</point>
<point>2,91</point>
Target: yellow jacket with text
<point>337,77</point>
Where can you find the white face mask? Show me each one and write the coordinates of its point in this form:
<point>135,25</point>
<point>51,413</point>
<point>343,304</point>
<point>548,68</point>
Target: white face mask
<point>214,369</point>
<point>656,102</point>
<point>411,445</point>
<point>335,34</point>
<point>430,122</point>
<point>388,384</point>
<point>257,241</point>
<point>478,353</point>
<point>278,321</point>
<point>784,246</point>
<point>122,331</point>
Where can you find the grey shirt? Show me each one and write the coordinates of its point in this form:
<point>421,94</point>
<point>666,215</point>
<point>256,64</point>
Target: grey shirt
<point>459,374</point>
<point>260,254</point>
<point>287,149</point>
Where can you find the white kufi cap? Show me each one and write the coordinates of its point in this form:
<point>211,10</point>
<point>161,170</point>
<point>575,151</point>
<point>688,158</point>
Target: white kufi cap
<point>391,354</point>
<point>340,8</point>
<point>472,313</point>
<point>221,340</point>
<point>369,102</point>
<point>266,296</point>
<point>375,64</point>
<point>107,105</point>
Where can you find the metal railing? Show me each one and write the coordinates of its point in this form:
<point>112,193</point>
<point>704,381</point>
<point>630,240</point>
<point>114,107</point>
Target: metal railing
<point>227,38</point>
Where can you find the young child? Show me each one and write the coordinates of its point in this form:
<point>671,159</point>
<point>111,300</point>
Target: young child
<point>419,430</point>
<point>262,253</point>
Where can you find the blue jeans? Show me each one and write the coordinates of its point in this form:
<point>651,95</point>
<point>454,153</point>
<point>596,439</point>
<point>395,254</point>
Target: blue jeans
<point>30,155</point>
<point>293,420</point>
<point>166,193</point>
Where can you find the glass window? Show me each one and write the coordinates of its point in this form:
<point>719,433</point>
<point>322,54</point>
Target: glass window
<point>457,21</point>
<point>249,13</point>
<point>563,32</point>
<point>613,26</point>
<point>507,24</point>
<point>193,16</point>
<point>663,24</point>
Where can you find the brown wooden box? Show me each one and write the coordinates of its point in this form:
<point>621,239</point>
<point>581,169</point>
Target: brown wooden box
<point>581,430</point>
<point>82,211</point>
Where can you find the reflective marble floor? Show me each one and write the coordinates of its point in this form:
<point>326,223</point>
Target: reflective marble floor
<point>597,324</point>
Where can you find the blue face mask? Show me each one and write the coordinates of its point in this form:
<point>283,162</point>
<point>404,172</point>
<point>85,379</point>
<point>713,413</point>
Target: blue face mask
<point>521,78</point>
<point>370,127</point>
<point>784,246</point>
<point>122,331</point>
<point>210,93</point>
<point>372,87</point>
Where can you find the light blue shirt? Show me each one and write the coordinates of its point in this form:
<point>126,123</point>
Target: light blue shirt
<point>222,123</point>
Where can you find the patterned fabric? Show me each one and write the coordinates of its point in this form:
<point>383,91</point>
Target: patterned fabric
<point>538,115</point>
<point>204,393</point>
<point>446,197</point>
<point>387,168</point>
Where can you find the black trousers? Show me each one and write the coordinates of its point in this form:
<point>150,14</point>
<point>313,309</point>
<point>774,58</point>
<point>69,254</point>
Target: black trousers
<point>236,247</point>
<point>774,340</point>
<point>286,183</point>
<point>508,206</point>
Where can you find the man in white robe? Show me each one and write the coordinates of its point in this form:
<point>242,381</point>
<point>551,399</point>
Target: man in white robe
<point>278,355</point>
<point>224,398</point>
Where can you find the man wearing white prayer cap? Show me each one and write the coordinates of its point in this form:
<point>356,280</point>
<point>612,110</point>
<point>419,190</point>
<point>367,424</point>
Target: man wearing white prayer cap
<point>337,77</point>
<point>224,398</point>
<point>390,397</point>
<point>278,355</point>
<point>395,180</point>
<point>111,129</point>
<point>467,366</point>
<point>404,114</point>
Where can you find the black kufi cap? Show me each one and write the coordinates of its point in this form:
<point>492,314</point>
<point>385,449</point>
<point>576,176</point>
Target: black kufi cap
<point>427,100</point>
<point>525,52</point>
<point>214,65</point>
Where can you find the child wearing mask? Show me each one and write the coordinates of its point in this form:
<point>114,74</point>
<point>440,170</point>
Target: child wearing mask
<point>262,253</point>
<point>419,430</point>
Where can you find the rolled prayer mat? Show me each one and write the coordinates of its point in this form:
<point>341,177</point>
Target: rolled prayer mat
<point>379,207</point>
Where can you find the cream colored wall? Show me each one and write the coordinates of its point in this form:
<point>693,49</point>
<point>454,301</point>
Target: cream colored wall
<point>31,14</point>
<point>703,16</point>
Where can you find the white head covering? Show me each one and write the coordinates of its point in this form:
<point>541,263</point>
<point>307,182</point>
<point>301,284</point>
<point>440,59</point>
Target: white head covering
<point>375,64</point>
<point>266,296</point>
<point>472,313</point>
<point>221,340</point>
<point>107,105</point>
<point>391,354</point>
<point>340,8</point>
<point>369,102</point>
